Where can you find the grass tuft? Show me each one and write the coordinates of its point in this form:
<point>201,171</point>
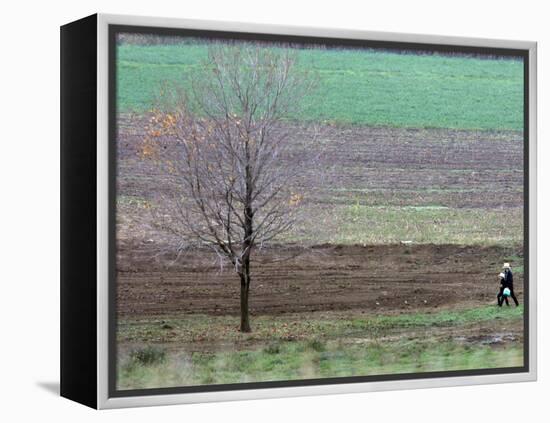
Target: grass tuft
<point>146,356</point>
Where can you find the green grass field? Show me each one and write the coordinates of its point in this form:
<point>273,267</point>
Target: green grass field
<point>327,346</point>
<point>294,361</point>
<point>359,87</point>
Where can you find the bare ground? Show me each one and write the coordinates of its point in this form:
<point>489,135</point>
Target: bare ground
<point>397,166</point>
<point>374,279</point>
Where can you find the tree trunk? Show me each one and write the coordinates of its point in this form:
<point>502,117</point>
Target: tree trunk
<point>245,285</point>
<point>247,245</point>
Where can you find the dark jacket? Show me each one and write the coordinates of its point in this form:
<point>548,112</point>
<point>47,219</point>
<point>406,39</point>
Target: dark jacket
<point>508,279</point>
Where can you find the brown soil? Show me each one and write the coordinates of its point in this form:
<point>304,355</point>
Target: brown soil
<point>381,279</point>
<point>397,166</point>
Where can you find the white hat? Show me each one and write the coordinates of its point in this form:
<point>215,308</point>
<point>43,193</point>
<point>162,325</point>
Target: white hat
<point>506,266</point>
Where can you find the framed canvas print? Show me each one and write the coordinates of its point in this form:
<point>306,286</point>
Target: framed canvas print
<point>253,211</point>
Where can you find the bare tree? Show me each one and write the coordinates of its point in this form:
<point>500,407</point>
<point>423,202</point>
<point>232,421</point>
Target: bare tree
<point>226,141</point>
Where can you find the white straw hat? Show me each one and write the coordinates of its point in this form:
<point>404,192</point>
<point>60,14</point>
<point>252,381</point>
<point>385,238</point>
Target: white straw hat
<point>506,266</point>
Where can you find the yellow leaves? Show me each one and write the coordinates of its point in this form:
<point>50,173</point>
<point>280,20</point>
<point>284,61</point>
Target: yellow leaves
<point>148,150</point>
<point>295,199</point>
<point>161,124</point>
<point>169,121</point>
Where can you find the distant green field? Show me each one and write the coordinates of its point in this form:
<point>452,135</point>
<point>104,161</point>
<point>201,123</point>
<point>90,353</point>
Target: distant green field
<point>359,87</point>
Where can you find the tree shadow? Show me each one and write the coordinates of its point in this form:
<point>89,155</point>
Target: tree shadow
<point>51,387</point>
